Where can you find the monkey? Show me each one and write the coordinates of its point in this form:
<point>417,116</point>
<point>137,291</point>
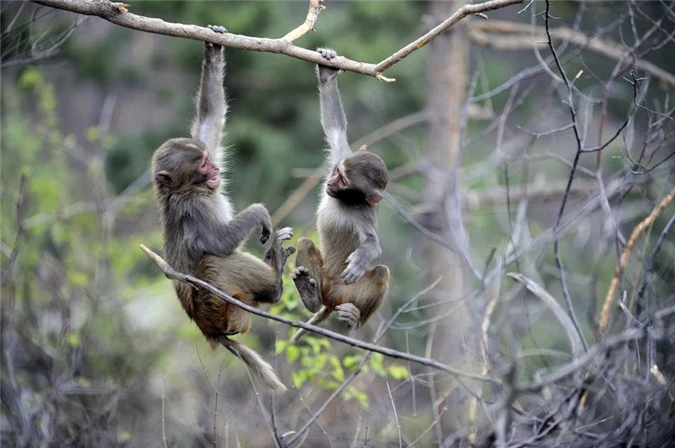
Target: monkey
<point>201,232</point>
<point>336,275</point>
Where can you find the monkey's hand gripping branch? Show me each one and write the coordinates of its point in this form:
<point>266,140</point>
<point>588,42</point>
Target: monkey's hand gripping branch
<point>172,274</point>
<point>118,13</point>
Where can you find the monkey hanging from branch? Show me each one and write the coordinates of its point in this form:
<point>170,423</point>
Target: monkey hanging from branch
<point>336,275</point>
<point>202,234</point>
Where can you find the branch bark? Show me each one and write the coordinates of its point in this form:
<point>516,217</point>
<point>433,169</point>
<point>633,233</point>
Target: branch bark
<point>172,274</point>
<point>623,261</point>
<point>117,13</point>
<point>505,35</point>
<point>315,8</point>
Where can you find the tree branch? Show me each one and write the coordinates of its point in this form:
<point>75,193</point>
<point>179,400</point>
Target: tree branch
<point>623,261</point>
<point>315,8</point>
<point>117,13</point>
<point>462,12</point>
<point>516,36</point>
<point>170,273</point>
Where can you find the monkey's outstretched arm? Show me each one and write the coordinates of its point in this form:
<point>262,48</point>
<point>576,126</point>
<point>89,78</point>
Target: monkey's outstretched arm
<point>359,260</point>
<point>211,106</point>
<point>333,117</point>
<point>224,239</point>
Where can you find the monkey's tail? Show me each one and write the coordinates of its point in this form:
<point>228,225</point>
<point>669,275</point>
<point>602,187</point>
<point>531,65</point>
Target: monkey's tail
<point>318,317</point>
<point>258,366</point>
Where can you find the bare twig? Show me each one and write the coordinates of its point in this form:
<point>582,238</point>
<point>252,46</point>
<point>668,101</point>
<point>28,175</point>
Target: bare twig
<point>170,273</point>
<point>623,261</point>
<point>118,14</point>
<point>558,311</point>
<point>462,12</point>
<point>527,36</point>
<point>315,8</point>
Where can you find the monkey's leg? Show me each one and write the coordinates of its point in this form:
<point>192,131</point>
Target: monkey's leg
<point>308,274</point>
<point>360,300</point>
<point>276,257</point>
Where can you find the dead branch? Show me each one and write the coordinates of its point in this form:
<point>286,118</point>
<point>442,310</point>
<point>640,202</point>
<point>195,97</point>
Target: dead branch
<point>623,261</point>
<point>118,13</point>
<point>516,36</point>
<point>558,311</point>
<point>315,8</point>
<point>462,12</point>
<point>170,273</point>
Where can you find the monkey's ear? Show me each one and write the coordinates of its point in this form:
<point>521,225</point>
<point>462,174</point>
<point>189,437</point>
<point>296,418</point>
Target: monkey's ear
<point>164,178</point>
<point>374,197</point>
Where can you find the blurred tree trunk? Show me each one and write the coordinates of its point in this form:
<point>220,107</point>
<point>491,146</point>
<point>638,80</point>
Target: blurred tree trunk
<point>449,341</point>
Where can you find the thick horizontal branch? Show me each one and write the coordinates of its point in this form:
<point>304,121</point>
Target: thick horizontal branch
<point>170,273</point>
<point>118,14</point>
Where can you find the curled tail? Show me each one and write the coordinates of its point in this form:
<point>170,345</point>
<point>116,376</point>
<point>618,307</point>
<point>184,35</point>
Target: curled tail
<point>258,366</point>
<point>318,317</point>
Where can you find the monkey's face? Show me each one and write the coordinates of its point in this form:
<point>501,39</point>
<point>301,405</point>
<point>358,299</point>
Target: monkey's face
<point>338,181</point>
<point>358,179</point>
<point>184,164</point>
<point>209,171</point>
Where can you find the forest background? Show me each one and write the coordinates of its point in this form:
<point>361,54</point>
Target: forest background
<point>527,219</point>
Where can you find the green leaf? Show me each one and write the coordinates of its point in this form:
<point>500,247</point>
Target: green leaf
<point>299,378</point>
<point>30,78</point>
<point>280,346</point>
<point>73,339</point>
<point>351,361</point>
<point>398,372</point>
<point>377,364</point>
<point>337,371</point>
<point>292,354</point>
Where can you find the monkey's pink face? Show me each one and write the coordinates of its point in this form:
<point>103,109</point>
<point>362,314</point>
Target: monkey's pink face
<point>337,181</point>
<point>211,171</point>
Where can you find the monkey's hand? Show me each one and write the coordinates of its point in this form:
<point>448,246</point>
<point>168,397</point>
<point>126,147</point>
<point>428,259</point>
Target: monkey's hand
<point>262,216</point>
<point>327,73</point>
<point>285,234</point>
<point>307,288</point>
<point>349,314</point>
<point>356,267</point>
<point>213,51</point>
<point>217,29</point>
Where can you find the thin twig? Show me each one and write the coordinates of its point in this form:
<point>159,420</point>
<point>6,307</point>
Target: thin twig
<point>315,8</point>
<point>170,273</point>
<point>623,261</point>
<point>528,36</point>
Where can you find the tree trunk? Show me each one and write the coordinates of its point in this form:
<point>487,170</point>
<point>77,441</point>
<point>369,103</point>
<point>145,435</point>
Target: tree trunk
<point>449,341</point>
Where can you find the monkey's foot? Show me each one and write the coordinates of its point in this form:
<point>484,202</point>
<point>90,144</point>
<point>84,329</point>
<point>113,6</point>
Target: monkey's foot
<point>217,29</point>
<point>307,288</point>
<point>349,314</point>
<point>285,253</point>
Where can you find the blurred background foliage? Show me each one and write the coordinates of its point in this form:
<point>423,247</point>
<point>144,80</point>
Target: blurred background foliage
<point>95,334</point>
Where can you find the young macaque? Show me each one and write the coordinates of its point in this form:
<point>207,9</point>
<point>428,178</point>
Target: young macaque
<point>337,273</point>
<point>202,235</point>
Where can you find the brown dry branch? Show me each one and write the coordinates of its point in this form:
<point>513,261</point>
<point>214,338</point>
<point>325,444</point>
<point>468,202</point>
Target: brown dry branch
<point>623,261</point>
<point>172,274</point>
<point>118,14</point>
<point>466,10</point>
<point>516,36</point>
<point>315,8</point>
